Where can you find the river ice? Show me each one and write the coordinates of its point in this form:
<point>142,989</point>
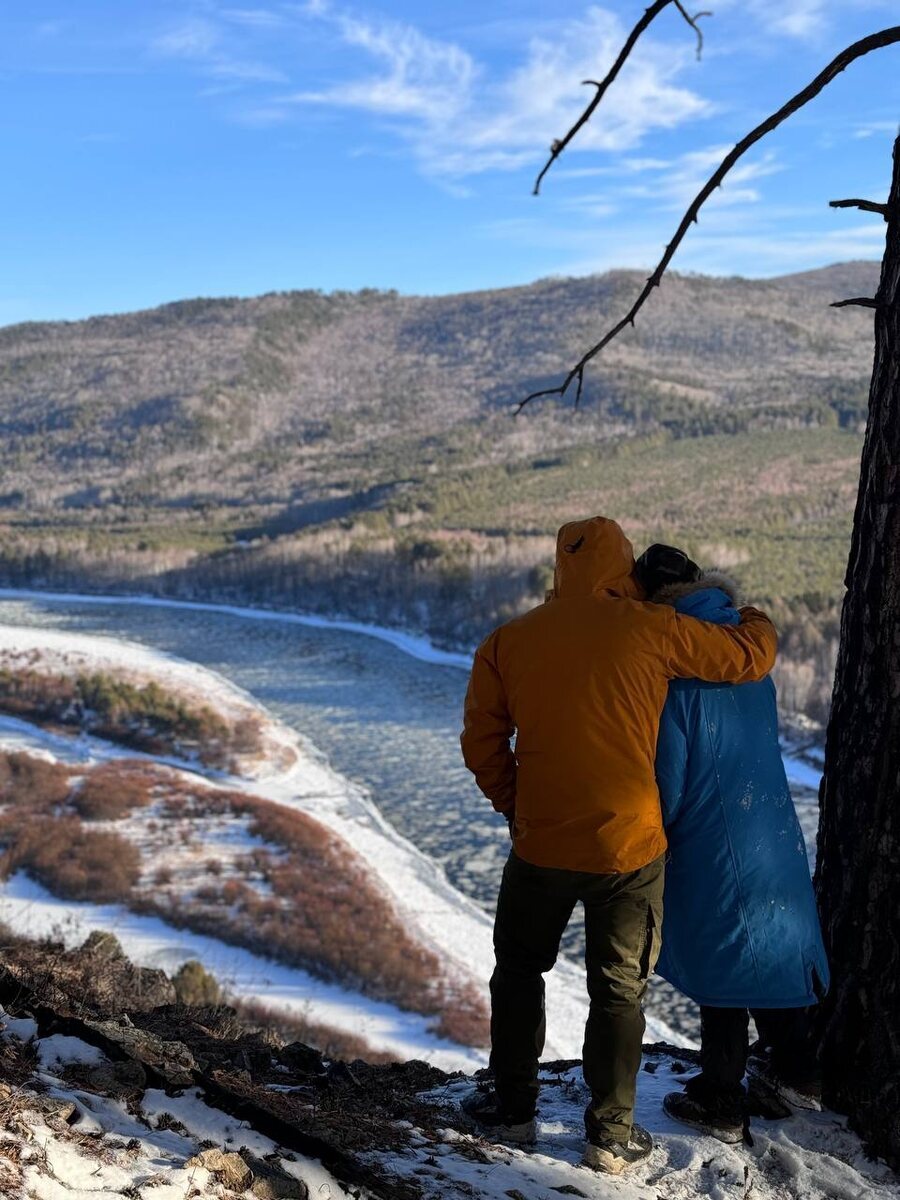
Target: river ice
<point>385,712</point>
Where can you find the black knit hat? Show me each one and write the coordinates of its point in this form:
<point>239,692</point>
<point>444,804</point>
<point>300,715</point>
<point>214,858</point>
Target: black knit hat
<point>660,565</point>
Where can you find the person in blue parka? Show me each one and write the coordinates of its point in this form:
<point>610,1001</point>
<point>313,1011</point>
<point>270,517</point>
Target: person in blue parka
<point>741,932</point>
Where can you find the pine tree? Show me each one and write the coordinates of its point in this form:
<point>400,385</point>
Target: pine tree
<point>858,875</point>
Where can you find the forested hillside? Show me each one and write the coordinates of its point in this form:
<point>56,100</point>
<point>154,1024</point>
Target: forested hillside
<point>356,453</point>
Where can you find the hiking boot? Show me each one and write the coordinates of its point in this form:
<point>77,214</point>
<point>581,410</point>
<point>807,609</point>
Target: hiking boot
<point>726,1126</point>
<point>805,1094</point>
<point>499,1124</point>
<point>612,1158</point>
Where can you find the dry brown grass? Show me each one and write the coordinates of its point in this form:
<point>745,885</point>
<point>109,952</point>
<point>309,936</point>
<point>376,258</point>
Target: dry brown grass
<point>144,716</point>
<point>112,790</point>
<point>74,862</point>
<point>333,1043</point>
<point>320,909</point>
<point>32,784</point>
<point>328,913</point>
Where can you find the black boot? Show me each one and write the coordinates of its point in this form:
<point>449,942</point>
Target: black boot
<point>500,1124</point>
<point>724,1122</point>
<point>801,1092</point>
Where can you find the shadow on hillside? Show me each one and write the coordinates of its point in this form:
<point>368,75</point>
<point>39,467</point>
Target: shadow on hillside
<point>317,512</point>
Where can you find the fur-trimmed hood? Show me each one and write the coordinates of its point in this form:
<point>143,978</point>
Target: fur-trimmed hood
<point>673,592</point>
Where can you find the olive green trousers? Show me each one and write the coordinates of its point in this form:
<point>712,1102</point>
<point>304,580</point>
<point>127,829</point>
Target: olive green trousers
<point>623,922</point>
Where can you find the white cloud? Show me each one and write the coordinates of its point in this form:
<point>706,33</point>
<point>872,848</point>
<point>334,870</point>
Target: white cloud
<point>871,128</point>
<point>419,77</point>
<point>460,122</point>
<point>206,43</point>
<point>254,18</point>
<point>799,18</point>
<point>716,247</point>
<point>806,20</point>
<point>682,180</point>
<point>194,38</point>
<point>768,251</point>
<point>803,19</point>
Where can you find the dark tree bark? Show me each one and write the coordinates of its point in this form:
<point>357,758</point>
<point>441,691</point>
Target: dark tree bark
<point>858,874</point>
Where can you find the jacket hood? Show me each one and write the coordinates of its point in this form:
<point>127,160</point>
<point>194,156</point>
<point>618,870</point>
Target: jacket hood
<point>712,597</point>
<point>593,557</point>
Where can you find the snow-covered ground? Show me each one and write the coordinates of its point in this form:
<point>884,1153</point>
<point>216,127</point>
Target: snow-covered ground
<point>72,1141</point>
<point>802,769</point>
<point>104,1152</point>
<point>296,776</point>
<point>810,1156</point>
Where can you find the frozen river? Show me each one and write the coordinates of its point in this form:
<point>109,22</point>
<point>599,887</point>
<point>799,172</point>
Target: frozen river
<point>385,719</point>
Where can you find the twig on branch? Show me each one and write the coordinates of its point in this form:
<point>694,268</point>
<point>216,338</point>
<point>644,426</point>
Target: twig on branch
<point>692,21</point>
<point>866,205</point>
<point>647,19</point>
<point>875,41</point>
<point>862,301</point>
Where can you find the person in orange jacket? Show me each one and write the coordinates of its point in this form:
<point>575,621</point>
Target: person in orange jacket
<point>581,682</point>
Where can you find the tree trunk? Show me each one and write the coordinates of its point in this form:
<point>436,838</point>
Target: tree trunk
<point>858,874</point>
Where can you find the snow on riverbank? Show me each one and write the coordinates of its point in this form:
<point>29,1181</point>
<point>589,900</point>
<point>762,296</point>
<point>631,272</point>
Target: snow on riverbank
<point>409,643</point>
<point>801,772</point>
<point>297,776</point>
<point>31,911</point>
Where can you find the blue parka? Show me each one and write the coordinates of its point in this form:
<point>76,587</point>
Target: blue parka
<point>741,928</point>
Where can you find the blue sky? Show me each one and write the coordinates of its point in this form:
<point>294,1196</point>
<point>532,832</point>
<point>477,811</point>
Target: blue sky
<point>160,149</point>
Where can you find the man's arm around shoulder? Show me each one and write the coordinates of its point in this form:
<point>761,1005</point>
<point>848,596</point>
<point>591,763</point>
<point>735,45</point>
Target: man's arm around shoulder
<point>742,653</point>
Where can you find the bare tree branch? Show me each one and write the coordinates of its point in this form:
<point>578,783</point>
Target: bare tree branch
<point>862,301</point>
<point>646,20</point>
<point>865,205</point>
<point>692,21</point>
<point>875,41</point>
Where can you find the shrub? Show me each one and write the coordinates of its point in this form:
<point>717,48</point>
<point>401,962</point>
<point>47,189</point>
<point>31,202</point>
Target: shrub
<point>296,1027</point>
<point>150,718</point>
<point>75,863</point>
<point>326,914</point>
<point>246,736</point>
<point>102,944</point>
<point>463,1018</point>
<point>32,782</point>
<point>319,907</point>
<point>111,791</point>
<point>144,716</point>
<point>195,986</point>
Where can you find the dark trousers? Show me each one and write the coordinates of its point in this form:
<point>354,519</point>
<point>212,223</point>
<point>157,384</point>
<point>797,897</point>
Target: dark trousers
<point>623,921</point>
<point>786,1033</point>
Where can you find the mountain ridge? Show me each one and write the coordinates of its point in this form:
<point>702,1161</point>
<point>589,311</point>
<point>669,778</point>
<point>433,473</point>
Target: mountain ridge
<point>834,268</point>
<point>354,453</point>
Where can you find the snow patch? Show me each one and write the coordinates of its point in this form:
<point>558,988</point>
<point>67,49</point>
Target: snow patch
<point>60,1050</point>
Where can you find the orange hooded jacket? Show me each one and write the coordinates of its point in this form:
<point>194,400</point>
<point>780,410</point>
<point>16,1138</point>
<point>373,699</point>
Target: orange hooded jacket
<point>581,681</point>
